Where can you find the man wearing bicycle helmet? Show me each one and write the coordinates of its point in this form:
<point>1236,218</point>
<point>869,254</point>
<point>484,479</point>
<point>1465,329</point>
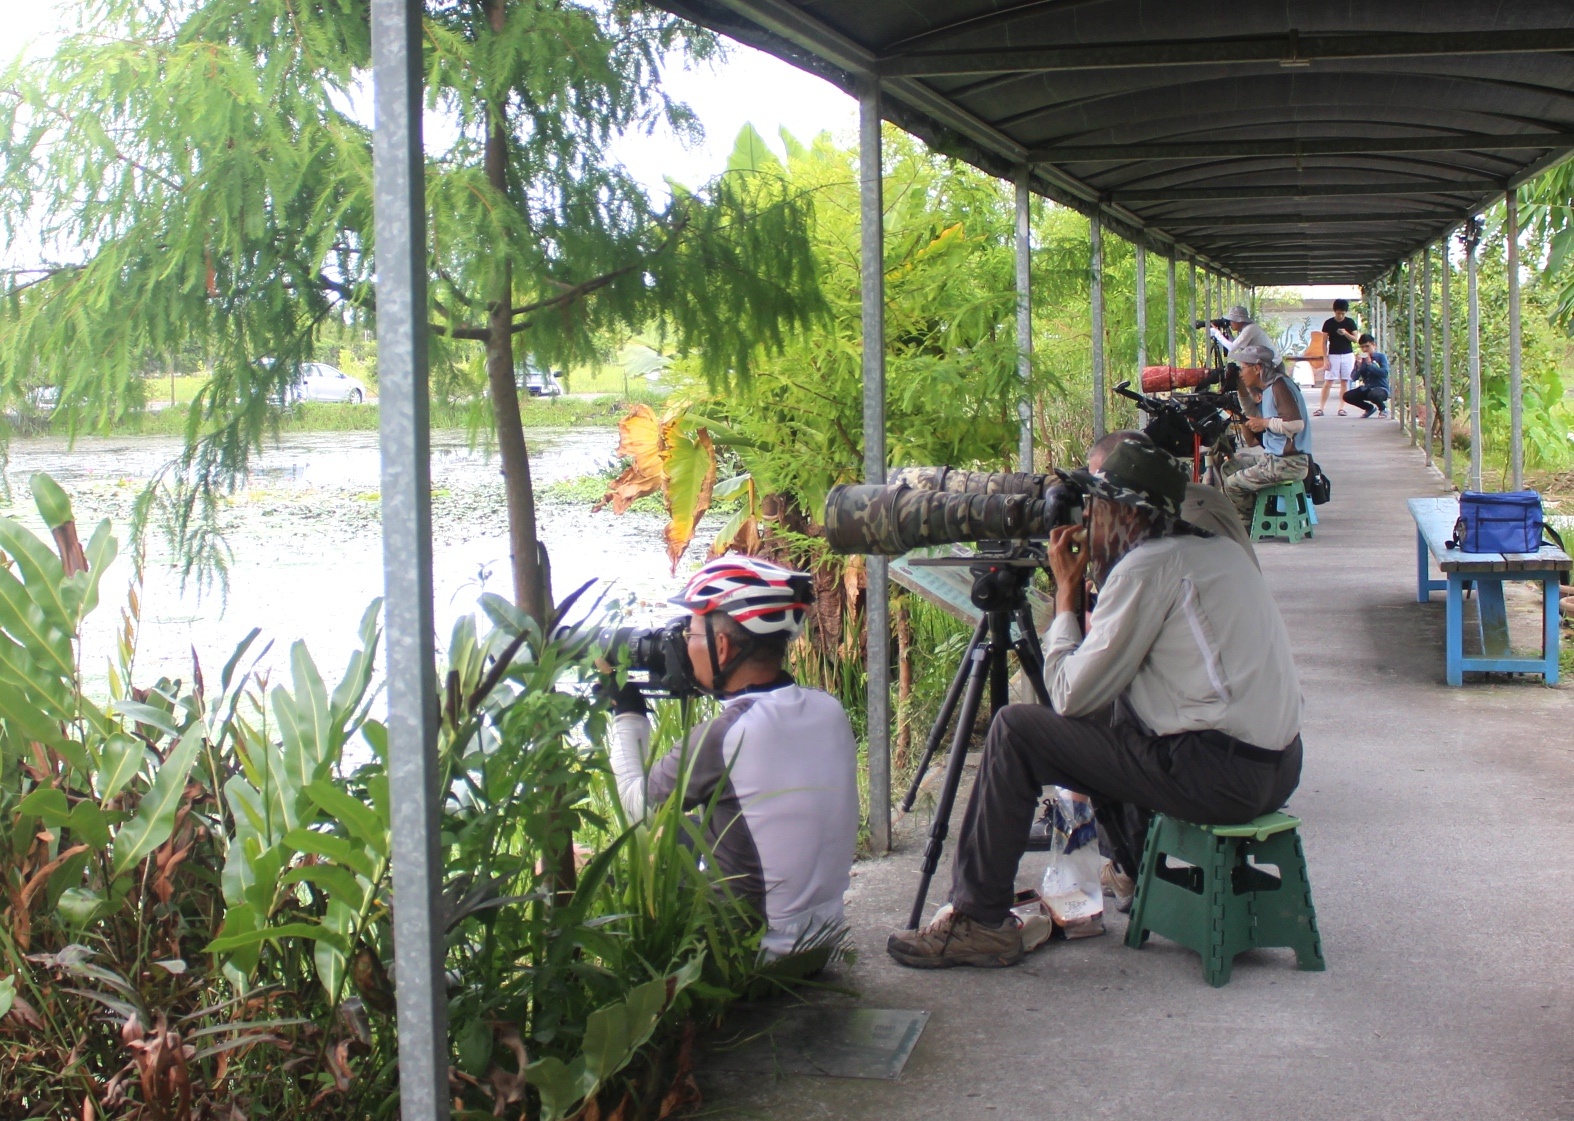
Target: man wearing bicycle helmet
<point>778,762</point>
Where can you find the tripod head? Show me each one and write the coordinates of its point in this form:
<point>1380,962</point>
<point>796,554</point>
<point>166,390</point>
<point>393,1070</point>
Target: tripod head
<point>1002,571</point>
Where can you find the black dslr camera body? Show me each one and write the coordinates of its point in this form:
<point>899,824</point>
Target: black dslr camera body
<point>661,654</point>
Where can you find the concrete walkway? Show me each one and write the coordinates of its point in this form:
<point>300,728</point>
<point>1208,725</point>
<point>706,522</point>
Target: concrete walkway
<point>1440,835</point>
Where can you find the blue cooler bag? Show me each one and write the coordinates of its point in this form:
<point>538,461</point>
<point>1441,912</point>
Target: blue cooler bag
<point>1509,522</point>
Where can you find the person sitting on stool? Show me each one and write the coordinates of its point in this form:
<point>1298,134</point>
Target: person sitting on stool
<point>1279,443</point>
<point>1371,372</point>
<point>1182,698</point>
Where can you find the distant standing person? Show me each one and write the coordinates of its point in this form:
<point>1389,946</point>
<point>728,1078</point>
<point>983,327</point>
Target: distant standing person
<point>1342,331</point>
<point>1371,374</point>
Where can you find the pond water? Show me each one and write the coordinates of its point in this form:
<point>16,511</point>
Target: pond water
<point>305,534</point>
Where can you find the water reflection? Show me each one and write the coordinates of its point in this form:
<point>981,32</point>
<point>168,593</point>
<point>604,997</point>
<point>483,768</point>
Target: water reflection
<point>306,541</point>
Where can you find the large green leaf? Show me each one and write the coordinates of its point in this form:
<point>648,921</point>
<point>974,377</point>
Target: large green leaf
<point>229,943</point>
<point>29,624</point>
<point>41,571</point>
<point>361,820</point>
<point>117,761</point>
<point>154,819</point>
<point>337,849</point>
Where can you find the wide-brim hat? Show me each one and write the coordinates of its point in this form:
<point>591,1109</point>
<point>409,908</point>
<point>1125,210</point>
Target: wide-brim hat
<point>1238,314</point>
<point>1137,475</point>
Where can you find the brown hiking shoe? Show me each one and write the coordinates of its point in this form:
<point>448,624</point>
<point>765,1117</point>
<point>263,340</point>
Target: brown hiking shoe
<point>952,938</point>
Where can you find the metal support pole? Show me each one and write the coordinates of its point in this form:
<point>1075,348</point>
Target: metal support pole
<point>1096,317</point>
<point>1142,310</point>
<point>1190,333</point>
<point>1473,327</point>
<point>1516,396</point>
<point>1448,370</point>
<point>399,191</point>
<point>1024,247</point>
<point>1207,296</point>
<point>1169,296</point>
<point>1427,407</point>
<point>1410,348</point>
<point>872,228</point>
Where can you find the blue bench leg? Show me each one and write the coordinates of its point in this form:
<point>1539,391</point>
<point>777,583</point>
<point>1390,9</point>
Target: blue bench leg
<point>1492,617</point>
<point>1423,571</point>
<point>1454,645</point>
<point>1549,639</point>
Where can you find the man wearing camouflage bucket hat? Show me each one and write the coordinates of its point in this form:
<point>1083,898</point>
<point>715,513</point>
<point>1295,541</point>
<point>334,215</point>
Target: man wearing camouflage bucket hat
<point>1181,698</point>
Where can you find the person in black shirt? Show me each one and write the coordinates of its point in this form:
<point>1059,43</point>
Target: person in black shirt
<point>1342,331</point>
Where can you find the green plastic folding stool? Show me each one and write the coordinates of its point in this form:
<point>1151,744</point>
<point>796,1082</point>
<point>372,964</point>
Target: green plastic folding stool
<point>1282,511</point>
<point>1223,901</point>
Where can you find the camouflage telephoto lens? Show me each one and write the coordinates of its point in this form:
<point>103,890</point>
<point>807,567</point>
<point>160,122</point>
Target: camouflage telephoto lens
<point>891,520</point>
<point>952,480</point>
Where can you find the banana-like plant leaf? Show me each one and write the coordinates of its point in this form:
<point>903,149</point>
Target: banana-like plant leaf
<point>360,819</point>
<point>117,761</point>
<point>31,625</point>
<point>154,820</point>
<point>42,572</point>
<point>228,943</point>
<point>334,848</point>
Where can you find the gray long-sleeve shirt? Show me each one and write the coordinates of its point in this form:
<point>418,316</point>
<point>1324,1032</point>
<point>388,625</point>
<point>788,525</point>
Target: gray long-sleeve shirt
<point>1188,632</point>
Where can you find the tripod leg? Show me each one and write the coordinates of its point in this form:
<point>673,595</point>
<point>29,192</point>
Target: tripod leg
<point>983,658</point>
<point>999,664</point>
<point>1030,655</point>
<point>943,719</point>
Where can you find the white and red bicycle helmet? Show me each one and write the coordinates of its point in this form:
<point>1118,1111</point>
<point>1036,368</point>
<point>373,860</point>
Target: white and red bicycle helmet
<point>761,597</point>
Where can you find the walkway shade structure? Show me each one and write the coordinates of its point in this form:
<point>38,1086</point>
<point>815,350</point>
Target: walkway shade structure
<point>1294,143</point>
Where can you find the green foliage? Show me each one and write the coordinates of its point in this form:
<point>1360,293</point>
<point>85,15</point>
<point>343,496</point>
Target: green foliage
<point>199,164</point>
<point>198,895</point>
<point>1547,418</point>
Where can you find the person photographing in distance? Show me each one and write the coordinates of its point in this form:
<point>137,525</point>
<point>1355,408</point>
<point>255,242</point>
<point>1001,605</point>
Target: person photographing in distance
<point>1371,373</point>
<point>1244,331</point>
<point>778,762</point>
<point>1181,698</point>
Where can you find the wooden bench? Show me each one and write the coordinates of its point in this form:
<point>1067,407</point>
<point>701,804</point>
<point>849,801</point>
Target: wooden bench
<point>1435,518</point>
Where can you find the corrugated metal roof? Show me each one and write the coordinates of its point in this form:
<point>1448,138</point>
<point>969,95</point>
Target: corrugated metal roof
<point>1282,143</point>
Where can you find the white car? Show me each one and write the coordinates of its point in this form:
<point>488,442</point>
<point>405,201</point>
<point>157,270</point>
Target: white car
<point>319,381</point>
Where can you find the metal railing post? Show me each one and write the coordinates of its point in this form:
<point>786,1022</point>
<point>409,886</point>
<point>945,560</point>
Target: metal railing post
<point>1516,386</point>
<point>1472,240</point>
<point>1448,368</point>
<point>1024,252</point>
<point>1409,350</point>
<point>1096,317</point>
<point>399,186</point>
<point>1169,296</point>
<point>1142,310</point>
<point>872,223</point>
<point>1190,331</point>
<point>1428,408</point>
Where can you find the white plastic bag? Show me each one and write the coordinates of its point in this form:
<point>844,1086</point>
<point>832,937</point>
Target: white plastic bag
<point>1071,889</point>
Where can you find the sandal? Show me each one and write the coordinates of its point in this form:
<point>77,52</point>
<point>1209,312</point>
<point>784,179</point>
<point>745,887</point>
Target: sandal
<point>1317,412</point>
<point>1343,413</point>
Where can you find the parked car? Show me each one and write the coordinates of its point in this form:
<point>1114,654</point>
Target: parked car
<point>319,381</point>
<point>542,383</point>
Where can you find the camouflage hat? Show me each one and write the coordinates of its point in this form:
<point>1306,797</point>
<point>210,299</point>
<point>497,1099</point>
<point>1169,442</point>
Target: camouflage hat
<point>1143,476</point>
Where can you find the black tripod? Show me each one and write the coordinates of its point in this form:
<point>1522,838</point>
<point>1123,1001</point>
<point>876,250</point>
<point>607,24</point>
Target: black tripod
<point>1000,592</point>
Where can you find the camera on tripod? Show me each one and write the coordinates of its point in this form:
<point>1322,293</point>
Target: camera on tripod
<point>1007,517</point>
<point>925,506</point>
<point>1221,323</point>
<point>1179,421</point>
<point>660,655</point>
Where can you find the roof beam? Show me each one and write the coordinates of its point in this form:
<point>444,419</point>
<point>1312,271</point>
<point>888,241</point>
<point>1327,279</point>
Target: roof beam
<point>1314,190</point>
<point>1291,50</point>
<point>1298,147</point>
<point>1183,222</point>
